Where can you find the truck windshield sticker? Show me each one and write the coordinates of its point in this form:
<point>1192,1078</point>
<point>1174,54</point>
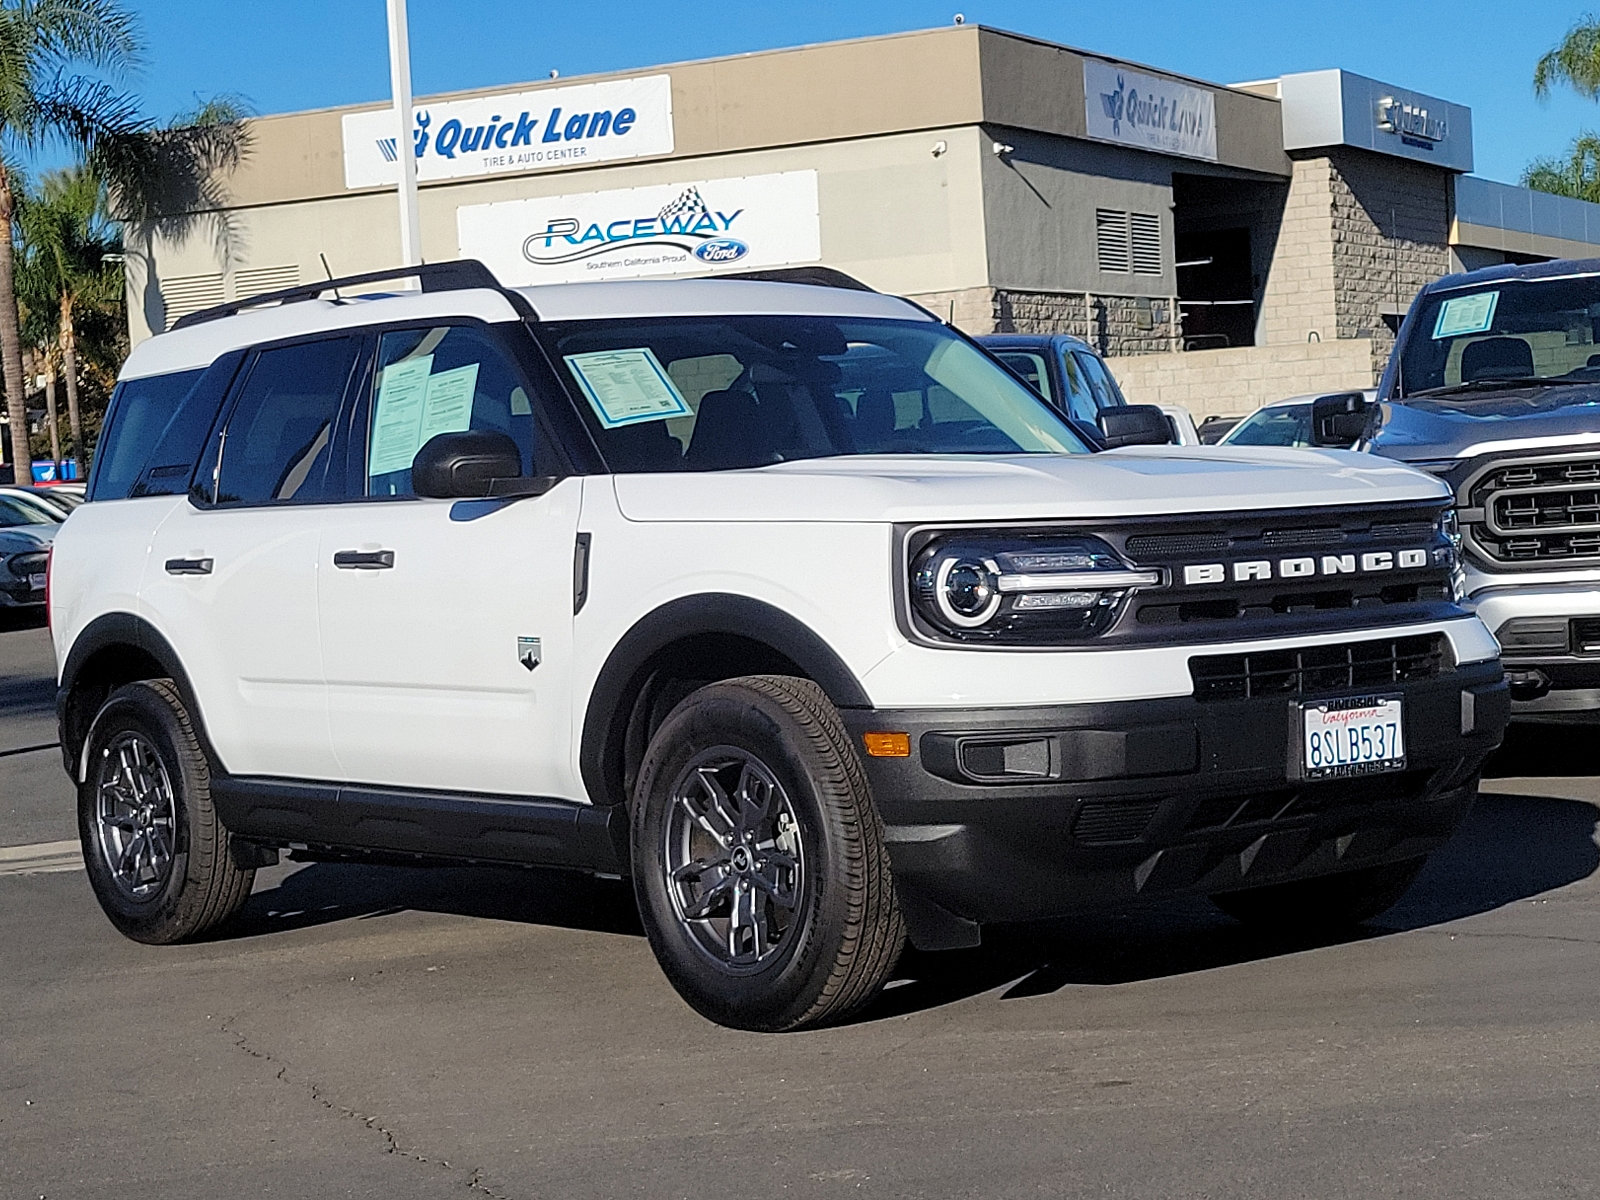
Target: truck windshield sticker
<point>625,387</point>
<point>414,405</point>
<point>1461,315</point>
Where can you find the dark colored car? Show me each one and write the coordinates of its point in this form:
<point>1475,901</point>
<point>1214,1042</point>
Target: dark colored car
<point>1068,373</point>
<point>24,551</point>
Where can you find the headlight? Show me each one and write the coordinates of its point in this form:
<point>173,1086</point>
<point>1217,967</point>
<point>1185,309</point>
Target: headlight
<point>1450,526</point>
<point>1019,589</point>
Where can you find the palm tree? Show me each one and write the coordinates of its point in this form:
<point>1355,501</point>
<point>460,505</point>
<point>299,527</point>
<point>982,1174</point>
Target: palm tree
<point>46,46</point>
<point>1575,62</point>
<point>1577,175</point>
<point>68,262</point>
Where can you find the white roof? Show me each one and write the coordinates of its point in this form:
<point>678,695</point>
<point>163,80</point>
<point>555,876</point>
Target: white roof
<point>200,345</point>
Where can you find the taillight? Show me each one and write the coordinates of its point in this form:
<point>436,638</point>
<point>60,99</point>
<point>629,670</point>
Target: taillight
<point>49,561</point>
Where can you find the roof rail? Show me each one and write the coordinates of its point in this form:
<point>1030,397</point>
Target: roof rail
<point>460,275</point>
<point>815,276</point>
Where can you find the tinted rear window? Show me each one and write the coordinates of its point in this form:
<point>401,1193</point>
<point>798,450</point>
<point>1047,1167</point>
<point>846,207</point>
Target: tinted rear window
<point>141,411</point>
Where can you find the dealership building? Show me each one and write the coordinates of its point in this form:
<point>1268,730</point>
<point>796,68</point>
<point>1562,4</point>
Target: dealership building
<point>1228,244</point>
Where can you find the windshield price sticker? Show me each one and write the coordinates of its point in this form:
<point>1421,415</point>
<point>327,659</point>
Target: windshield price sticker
<point>1352,737</point>
<point>1462,315</point>
<point>625,387</point>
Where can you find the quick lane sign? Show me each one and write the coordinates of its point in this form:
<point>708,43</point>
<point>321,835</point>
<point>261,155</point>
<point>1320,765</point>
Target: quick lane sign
<point>665,229</point>
<point>520,131</point>
<point>1149,112</point>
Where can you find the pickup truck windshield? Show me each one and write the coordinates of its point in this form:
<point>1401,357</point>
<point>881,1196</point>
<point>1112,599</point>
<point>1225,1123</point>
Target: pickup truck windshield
<point>1528,332</point>
<point>718,393</point>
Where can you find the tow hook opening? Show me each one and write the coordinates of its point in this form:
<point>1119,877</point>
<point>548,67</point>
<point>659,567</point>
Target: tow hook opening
<point>1528,684</point>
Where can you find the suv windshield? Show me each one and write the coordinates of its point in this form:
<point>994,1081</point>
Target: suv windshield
<point>715,393</point>
<point>1532,331</point>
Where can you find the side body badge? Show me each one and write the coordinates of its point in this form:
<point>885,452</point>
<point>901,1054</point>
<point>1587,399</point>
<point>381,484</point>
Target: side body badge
<point>528,652</point>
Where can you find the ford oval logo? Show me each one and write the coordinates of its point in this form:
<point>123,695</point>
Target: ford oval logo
<point>721,250</point>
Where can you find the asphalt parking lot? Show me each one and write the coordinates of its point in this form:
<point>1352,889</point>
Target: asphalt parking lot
<point>401,1033</point>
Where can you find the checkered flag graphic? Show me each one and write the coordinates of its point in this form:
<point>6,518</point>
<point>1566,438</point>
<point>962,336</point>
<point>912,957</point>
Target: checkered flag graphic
<point>689,206</point>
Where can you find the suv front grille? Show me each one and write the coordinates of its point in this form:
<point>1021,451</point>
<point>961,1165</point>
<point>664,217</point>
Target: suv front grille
<point>1327,549</point>
<point>1537,512</point>
<point>1315,670</point>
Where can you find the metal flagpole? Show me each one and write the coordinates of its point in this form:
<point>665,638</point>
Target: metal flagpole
<point>400,89</point>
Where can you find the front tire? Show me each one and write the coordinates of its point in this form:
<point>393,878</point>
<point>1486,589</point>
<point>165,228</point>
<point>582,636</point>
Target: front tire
<point>1327,904</point>
<point>158,858</point>
<point>759,859</point>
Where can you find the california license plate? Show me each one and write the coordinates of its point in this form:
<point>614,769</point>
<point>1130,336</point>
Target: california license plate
<point>36,582</point>
<point>1363,735</point>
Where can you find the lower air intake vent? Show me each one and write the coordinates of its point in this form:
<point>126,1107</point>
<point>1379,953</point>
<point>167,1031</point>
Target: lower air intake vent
<point>1102,823</point>
<point>1312,670</point>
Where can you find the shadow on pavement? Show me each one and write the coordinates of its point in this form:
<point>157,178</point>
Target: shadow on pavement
<point>326,892</point>
<point>1511,848</point>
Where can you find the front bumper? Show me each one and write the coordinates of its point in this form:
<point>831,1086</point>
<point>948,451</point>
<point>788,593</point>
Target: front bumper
<point>1547,684</point>
<point>1150,797</point>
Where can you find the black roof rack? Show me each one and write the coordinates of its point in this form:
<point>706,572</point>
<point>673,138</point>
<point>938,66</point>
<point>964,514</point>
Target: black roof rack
<point>460,275</point>
<point>815,276</point>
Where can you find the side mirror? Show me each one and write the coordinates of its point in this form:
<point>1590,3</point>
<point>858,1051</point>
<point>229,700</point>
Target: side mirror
<point>465,466</point>
<point>1135,425</point>
<point>1339,420</point>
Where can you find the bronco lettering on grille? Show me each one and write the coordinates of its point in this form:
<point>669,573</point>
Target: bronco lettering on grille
<point>1305,566</point>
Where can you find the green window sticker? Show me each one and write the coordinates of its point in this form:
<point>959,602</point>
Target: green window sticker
<point>625,387</point>
<point>1461,315</point>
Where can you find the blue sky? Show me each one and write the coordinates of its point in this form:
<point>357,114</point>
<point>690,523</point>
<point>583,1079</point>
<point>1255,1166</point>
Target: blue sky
<point>283,55</point>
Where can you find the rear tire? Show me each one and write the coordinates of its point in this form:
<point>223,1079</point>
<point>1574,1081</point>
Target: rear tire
<point>759,859</point>
<point>159,860</point>
<point>1327,904</point>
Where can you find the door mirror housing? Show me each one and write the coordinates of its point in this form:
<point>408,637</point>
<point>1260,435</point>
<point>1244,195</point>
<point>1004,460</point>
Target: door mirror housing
<point>1338,420</point>
<point>472,465</point>
<point>1135,425</point>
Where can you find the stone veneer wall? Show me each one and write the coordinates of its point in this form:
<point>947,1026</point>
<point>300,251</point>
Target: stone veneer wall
<point>1391,235</point>
<point>1113,324</point>
<point>1241,379</point>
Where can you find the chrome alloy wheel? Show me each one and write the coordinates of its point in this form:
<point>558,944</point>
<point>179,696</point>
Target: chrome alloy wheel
<point>734,862</point>
<point>136,816</point>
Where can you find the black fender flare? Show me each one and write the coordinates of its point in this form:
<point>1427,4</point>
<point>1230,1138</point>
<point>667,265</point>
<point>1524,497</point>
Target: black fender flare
<point>609,710</point>
<point>108,631</point>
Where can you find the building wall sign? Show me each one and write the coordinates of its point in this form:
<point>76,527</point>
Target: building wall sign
<point>665,229</point>
<point>1148,111</point>
<point>1337,108</point>
<point>520,131</point>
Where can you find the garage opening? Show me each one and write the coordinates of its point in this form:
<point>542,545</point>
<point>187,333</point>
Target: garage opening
<point>1224,232</point>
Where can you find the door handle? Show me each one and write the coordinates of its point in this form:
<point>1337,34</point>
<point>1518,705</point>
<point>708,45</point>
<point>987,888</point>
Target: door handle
<point>189,566</point>
<point>363,560</point>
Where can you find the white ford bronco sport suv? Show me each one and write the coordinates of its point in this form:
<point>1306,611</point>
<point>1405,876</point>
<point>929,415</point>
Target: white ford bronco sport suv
<point>787,601</point>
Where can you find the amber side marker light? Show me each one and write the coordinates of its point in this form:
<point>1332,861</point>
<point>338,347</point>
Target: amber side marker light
<point>888,745</point>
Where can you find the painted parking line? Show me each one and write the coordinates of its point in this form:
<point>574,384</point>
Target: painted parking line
<point>41,858</point>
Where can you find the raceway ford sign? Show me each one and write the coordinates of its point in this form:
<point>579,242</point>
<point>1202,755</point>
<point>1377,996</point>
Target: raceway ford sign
<point>665,229</point>
<point>520,131</point>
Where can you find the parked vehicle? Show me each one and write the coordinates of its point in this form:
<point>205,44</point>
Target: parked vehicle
<point>57,498</point>
<point>1076,381</point>
<point>31,506</point>
<point>1281,423</point>
<point>784,600</point>
<point>1494,386</point>
<point>1213,429</point>
<point>24,549</point>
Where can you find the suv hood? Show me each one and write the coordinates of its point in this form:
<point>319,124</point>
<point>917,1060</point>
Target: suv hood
<point>1434,428</point>
<point>1137,481</point>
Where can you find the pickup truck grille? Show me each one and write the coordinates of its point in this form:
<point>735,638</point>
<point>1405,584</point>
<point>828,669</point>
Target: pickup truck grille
<point>1318,670</point>
<point>1537,512</point>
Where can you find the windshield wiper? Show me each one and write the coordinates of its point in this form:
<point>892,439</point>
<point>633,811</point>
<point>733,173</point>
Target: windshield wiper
<point>1500,385</point>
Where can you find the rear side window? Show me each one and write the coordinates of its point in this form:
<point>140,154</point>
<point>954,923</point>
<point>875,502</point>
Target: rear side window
<point>141,411</point>
<point>1030,366</point>
<point>276,444</point>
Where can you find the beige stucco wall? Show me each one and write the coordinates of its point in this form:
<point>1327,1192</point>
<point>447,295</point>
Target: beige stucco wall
<point>892,213</point>
<point>1241,379</point>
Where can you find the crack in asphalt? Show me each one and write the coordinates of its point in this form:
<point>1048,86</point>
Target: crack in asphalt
<point>241,1041</point>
